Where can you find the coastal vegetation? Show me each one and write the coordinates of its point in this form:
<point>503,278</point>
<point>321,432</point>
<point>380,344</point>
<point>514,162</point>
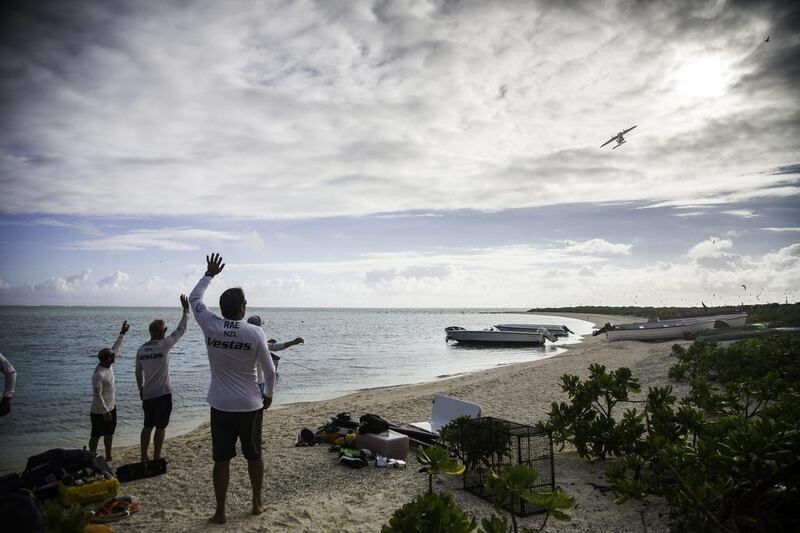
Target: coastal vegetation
<point>437,512</point>
<point>725,456</point>
<point>775,314</point>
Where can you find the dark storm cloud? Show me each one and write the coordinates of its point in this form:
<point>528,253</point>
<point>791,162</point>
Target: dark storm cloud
<point>336,108</point>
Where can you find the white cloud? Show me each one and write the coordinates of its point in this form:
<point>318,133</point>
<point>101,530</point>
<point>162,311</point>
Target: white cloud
<point>598,247</point>
<point>59,285</point>
<point>782,229</point>
<point>167,239</point>
<point>305,109</point>
<point>513,276</point>
<point>710,248</point>
<point>741,213</point>
<point>115,281</point>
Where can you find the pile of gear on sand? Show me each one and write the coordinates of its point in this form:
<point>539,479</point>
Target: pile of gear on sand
<point>70,490</point>
<point>370,441</point>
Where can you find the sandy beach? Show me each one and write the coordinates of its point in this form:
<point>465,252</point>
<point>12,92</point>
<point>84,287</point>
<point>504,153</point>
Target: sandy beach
<point>306,490</point>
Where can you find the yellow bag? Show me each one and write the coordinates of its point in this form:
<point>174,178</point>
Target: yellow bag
<point>94,491</point>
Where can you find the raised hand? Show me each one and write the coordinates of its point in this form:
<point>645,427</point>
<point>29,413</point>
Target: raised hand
<point>184,302</point>
<point>125,327</point>
<point>214,265</point>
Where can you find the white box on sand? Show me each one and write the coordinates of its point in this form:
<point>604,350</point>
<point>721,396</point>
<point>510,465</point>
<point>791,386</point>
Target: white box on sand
<point>389,443</point>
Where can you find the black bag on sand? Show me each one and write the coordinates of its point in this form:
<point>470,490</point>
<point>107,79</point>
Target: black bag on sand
<point>44,471</point>
<point>372,424</point>
<point>142,470</point>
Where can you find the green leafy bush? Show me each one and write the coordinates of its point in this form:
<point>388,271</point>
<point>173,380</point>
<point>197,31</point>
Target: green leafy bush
<point>727,456</point>
<point>588,420</point>
<point>513,485</point>
<point>58,519</point>
<point>432,512</point>
<point>437,461</point>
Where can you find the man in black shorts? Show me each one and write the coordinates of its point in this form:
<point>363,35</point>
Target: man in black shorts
<point>152,377</point>
<point>104,402</point>
<point>237,405</point>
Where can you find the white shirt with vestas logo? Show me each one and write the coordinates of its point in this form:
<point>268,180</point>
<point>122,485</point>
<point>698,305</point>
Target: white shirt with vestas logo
<point>152,363</point>
<point>234,347</point>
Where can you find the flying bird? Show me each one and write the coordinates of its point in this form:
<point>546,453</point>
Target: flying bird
<point>744,286</point>
<point>619,138</point>
<point>767,39</point>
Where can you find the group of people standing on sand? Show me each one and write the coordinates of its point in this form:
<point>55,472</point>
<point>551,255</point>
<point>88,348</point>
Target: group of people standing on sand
<point>242,385</point>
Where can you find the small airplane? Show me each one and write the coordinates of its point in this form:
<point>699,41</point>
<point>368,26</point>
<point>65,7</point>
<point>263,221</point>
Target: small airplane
<point>618,137</point>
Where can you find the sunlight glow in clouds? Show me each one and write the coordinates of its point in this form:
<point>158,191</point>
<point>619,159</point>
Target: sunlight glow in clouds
<point>703,77</point>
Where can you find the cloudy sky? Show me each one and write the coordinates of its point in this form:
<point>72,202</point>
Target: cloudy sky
<point>415,153</point>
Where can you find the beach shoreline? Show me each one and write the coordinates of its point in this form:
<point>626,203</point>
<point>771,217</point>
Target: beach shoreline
<point>306,490</point>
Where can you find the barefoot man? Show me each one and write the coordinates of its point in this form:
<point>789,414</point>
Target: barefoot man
<point>237,405</point>
<point>104,403</point>
<point>152,377</point>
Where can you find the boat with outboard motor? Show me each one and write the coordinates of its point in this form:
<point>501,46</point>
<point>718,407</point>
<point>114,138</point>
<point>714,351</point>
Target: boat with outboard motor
<point>674,328</point>
<point>555,330</point>
<point>495,337</point>
<point>736,320</point>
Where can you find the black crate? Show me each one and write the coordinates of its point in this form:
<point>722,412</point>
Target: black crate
<point>496,444</point>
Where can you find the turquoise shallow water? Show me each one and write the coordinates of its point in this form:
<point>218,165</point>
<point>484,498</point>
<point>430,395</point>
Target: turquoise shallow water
<point>54,351</point>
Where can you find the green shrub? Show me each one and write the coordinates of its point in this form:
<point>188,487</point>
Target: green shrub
<point>588,421</point>
<point>432,512</point>
<point>57,519</point>
<point>437,461</point>
<point>727,456</point>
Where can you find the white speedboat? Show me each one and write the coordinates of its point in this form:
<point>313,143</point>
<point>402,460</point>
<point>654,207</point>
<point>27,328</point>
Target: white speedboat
<point>656,331</point>
<point>495,337</point>
<point>555,330</point>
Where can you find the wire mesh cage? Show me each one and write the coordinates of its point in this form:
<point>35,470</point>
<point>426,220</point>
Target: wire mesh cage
<point>489,443</point>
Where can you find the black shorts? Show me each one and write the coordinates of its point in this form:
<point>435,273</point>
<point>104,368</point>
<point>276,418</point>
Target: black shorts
<point>227,426</point>
<point>100,427</point>
<point>157,411</point>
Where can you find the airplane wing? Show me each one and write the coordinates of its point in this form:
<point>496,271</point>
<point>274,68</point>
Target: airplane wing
<point>629,129</point>
<point>608,141</point>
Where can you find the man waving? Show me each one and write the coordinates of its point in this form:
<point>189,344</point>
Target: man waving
<point>237,405</point>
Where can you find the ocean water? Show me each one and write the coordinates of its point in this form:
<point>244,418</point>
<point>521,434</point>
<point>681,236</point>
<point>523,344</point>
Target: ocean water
<point>54,350</point>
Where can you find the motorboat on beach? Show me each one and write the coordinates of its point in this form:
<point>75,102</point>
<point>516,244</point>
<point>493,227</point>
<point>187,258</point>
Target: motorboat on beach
<point>555,330</point>
<point>495,337</point>
<point>745,332</point>
<point>675,328</point>
<point>721,321</point>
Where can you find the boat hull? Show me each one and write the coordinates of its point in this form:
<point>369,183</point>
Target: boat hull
<point>657,331</point>
<point>495,338</point>
<point>723,321</point>
<point>555,330</point>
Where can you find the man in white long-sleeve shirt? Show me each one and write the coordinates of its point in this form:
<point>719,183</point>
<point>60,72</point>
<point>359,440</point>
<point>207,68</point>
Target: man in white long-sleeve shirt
<point>10,382</point>
<point>274,346</point>
<point>152,377</point>
<point>104,404</point>
<point>237,405</point>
